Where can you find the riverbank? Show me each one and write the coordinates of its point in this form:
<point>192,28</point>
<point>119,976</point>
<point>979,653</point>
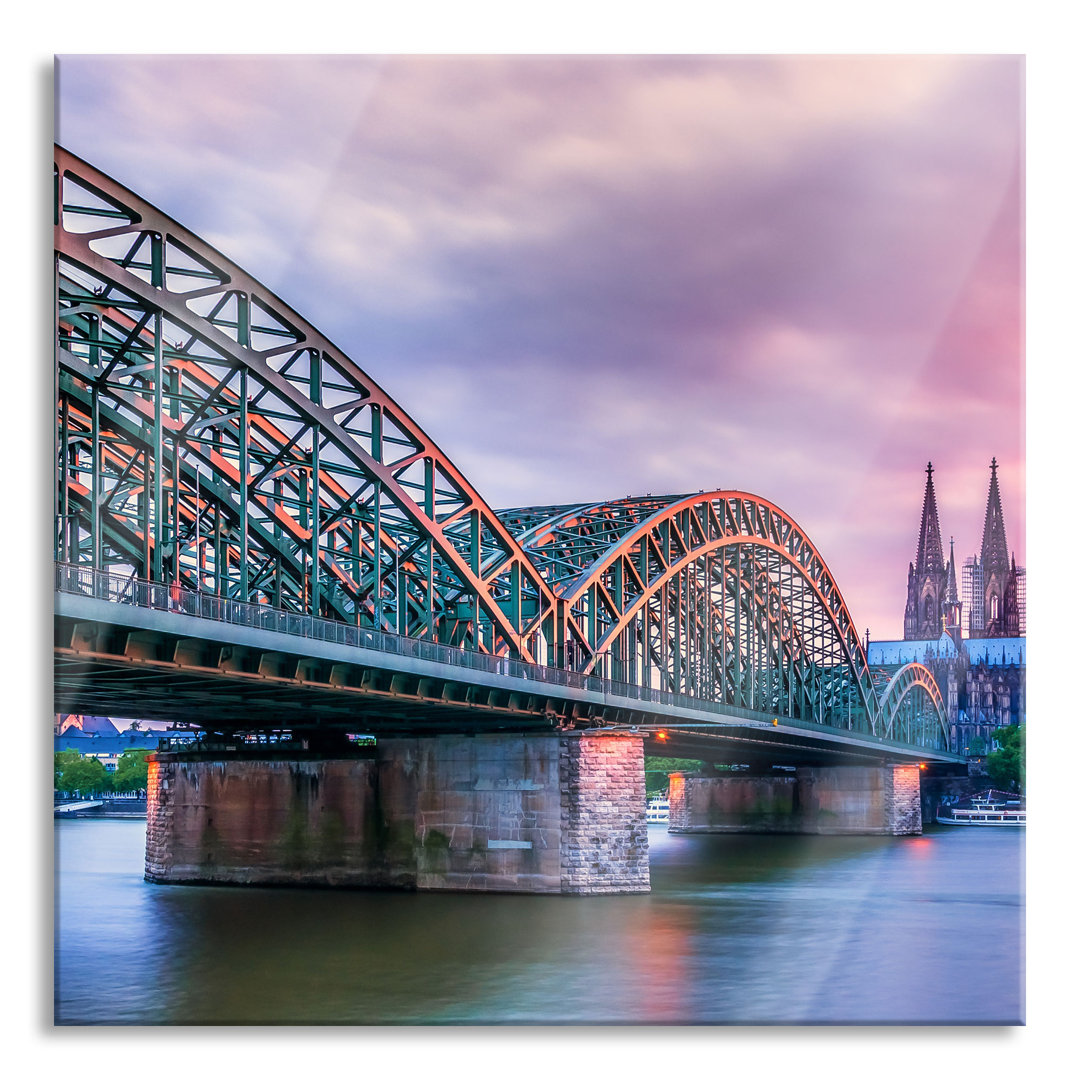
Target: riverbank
<point>126,808</point>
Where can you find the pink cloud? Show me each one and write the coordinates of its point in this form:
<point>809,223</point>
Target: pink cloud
<point>586,277</point>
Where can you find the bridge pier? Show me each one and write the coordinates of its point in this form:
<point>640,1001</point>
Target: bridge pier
<point>550,813</point>
<point>833,801</point>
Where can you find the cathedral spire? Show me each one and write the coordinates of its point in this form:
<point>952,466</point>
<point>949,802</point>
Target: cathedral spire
<point>951,594</point>
<point>926,577</point>
<point>1000,603</point>
<point>930,559</point>
<point>995,551</point>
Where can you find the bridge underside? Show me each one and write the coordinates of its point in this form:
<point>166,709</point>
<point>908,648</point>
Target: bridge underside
<point>230,680</point>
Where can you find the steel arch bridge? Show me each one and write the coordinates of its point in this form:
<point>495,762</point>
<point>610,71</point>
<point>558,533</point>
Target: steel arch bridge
<point>209,441</point>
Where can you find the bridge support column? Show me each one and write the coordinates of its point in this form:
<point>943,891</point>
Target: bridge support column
<point>834,801</point>
<point>535,813</point>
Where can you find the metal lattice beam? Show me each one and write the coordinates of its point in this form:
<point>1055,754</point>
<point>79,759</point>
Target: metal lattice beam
<point>209,440</point>
<point>208,436</point>
<point>638,580</point>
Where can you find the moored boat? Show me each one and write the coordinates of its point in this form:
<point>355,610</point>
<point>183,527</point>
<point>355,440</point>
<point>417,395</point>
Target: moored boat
<point>657,810</point>
<point>989,808</point>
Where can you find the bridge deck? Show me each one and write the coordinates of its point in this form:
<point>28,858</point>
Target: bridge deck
<point>169,665</point>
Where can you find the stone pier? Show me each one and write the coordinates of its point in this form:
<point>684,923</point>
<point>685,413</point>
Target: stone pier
<point>835,801</point>
<point>553,813</point>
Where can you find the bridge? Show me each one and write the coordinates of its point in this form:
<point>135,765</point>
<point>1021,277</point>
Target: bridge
<point>253,537</point>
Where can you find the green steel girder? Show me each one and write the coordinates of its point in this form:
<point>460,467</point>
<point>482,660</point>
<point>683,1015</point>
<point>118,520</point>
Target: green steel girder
<point>211,440</point>
<point>913,709</point>
<point>223,382</point>
<point>588,552</point>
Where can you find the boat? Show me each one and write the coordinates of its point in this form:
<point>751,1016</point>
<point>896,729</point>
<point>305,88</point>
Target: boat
<point>657,810</point>
<point>996,809</point>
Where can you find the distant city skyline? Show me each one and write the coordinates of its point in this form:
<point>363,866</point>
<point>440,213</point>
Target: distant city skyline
<point>587,277</point>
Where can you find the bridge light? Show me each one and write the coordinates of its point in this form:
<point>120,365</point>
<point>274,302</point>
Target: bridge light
<point>775,723</point>
<point>662,736</point>
<point>922,764</point>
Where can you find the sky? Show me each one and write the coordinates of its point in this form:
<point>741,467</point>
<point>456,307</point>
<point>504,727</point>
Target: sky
<point>594,276</point>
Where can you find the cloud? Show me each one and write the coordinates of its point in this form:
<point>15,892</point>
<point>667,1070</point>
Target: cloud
<point>593,276</point>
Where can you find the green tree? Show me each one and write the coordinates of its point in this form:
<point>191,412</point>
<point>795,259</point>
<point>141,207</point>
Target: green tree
<point>84,776</point>
<point>131,771</point>
<point>977,746</point>
<point>1005,766</point>
<point>61,759</point>
<point>658,769</point>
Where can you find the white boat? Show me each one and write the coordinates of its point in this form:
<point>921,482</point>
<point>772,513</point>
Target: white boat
<point>657,810</point>
<point>989,808</point>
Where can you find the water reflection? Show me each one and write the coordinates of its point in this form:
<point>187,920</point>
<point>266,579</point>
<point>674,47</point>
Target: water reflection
<point>738,929</point>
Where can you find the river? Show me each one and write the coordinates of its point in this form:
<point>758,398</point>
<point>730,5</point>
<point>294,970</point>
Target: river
<point>737,930</point>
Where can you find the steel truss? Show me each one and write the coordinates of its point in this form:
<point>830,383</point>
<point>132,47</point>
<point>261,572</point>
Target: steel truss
<point>208,436</point>
<point>211,440</point>
<point>716,595</point>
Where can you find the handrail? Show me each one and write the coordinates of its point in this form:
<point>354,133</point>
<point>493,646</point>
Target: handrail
<point>124,589</point>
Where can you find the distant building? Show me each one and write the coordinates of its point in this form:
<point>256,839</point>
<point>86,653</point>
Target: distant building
<point>1021,597</point>
<point>104,741</point>
<point>927,575</point>
<point>972,591</point>
<point>88,725</point>
<point>972,640</point>
<point>982,680</point>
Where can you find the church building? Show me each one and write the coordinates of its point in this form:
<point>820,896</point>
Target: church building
<point>973,641</point>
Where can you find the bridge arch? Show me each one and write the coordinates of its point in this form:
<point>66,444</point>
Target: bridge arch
<point>209,436</point>
<point>718,595</point>
<point>912,709</point>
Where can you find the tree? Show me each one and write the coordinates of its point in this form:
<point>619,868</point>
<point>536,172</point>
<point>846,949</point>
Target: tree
<point>977,746</point>
<point>658,769</point>
<point>131,771</point>
<point>84,776</point>
<point>61,760</point>
<point>1005,766</point>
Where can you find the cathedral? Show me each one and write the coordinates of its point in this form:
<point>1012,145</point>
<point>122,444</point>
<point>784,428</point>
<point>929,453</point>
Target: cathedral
<point>972,637</point>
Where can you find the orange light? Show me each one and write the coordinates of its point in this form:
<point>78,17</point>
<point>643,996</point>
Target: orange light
<point>775,723</point>
<point>662,736</point>
<point>922,764</point>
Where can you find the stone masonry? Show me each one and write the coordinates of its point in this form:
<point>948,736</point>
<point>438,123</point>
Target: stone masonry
<point>678,809</point>
<point>605,841</point>
<point>840,800</point>
<point>485,811</point>
<point>540,814</point>
<point>158,820</point>
<point>903,802</point>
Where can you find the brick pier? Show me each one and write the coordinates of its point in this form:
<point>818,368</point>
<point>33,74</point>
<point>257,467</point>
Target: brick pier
<point>552,813</point>
<point>841,800</point>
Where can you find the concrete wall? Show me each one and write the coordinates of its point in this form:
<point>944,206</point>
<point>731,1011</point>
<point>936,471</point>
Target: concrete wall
<point>845,800</point>
<point>266,822</point>
<point>551,813</point>
<point>735,803</point>
<point>487,810</point>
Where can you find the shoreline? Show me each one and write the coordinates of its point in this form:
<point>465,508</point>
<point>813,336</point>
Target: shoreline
<point>120,809</point>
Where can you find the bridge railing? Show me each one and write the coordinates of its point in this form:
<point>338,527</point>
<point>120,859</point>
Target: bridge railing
<point>126,589</point>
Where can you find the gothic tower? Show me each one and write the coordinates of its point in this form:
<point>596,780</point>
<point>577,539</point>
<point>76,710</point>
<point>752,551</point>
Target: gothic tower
<point>1001,615</point>
<point>926,576</point>
<point>951,608</point>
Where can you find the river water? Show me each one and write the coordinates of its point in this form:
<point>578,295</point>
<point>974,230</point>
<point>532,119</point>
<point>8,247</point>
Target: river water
<point>737,930</point>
